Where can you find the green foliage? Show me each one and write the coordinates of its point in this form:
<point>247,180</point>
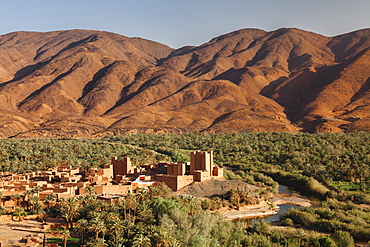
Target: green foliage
<point>19,212</point>
<point>342,185</point>
<point>301,182</point>
<point>332,216</point>
<point>2,210</point>
<point>261,227</point>
<point>180,157</point>
<point>306,162</point>
<point>200,229</point>
<point>343,239</point>
<point>323,241</point>
<point>239,198</point>
<point>261,235</point>
<point>53,240</point>
<point>40,154</point>
<point>162,206</point>
<point>300,217</point>
<point>256,240</point>
<point>56,240</point>
<point>330,158</point>
<point>147,219</point>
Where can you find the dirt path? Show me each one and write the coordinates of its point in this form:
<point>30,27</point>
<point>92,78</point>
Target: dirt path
<point>14,233</point>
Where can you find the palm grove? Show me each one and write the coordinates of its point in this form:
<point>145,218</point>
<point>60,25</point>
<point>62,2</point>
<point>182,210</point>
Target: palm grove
<point>333,167</point>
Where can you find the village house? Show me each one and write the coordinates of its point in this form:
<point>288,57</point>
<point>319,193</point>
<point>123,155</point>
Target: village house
<point>117,178</point>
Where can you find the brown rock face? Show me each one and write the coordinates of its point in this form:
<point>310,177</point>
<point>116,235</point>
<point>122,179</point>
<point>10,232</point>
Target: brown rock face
<point>82,83</point>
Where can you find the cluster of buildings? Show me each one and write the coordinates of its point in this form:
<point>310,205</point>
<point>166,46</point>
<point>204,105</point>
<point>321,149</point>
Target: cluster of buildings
<point>117,178</point>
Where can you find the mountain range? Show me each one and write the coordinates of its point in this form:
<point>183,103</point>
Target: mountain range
<point>90,83</point>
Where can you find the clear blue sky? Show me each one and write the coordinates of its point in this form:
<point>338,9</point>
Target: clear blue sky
<point>183,22</point>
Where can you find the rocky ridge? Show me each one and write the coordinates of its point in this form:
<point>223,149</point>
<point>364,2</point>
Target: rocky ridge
<point>89,83</point>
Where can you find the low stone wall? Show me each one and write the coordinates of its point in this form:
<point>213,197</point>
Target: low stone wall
<point>5,218</point>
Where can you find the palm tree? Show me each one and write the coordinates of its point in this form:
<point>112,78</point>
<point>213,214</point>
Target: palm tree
<point>34,200</point>
<point>69,209</point>
<point>145,213</point>
<point>97,226</point>
<point>37,190</point>
<point>86,199</point>
<point>130,203</point>
<point>2,210</point>
<point>16,198</point>
<point>1,198</point>
<point>26,198</point>
<point>193,205</point>
<point>82,226</point>
<point>300,235</point>
<point>117,228</point>
<point>141,195</point>
<point>65,235</point>
<point>20,213</point>
<point>90,190</point>
<point>49,198</point>
<point>127,225</point>
<point>160,236</point>
<point>141,240</point>
<point>162,206</point>
<point>234,198</point>
<point>99,242</point>
<point>217,202</point>
<point>38,208</point>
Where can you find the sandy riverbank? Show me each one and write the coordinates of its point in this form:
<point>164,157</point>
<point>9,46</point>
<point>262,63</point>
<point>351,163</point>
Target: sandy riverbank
<point>292,200</point>
<point>264,208</point>
<point>251,211</point>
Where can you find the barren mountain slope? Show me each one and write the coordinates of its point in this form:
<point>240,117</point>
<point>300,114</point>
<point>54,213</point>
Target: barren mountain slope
<point>82,82</point>
<point>64,75</point>
<point>217,105</point>
<point>321,82</point>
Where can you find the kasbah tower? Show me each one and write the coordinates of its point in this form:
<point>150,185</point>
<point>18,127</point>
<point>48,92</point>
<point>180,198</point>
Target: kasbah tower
<point>175,175</point>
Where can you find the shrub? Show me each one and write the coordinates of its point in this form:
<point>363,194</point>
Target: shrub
<point>2,210</point>
<point>288,222</point>
<point>256,240</point>
<point>343,239</point>
<point>300,218</point>
<point>322,241</point>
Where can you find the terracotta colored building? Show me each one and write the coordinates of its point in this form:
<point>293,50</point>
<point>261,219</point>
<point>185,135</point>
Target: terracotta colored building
<point>122,167</point>
<point>115,179</point>
<point>201,168</point>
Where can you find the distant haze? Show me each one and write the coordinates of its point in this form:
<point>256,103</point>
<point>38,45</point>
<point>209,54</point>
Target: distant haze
<point>180,23</point>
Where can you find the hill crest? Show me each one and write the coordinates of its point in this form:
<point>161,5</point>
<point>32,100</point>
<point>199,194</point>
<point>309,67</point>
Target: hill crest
<point>85,83</point>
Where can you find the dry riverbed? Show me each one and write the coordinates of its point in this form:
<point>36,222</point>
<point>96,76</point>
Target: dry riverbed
<point>264,208</point>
